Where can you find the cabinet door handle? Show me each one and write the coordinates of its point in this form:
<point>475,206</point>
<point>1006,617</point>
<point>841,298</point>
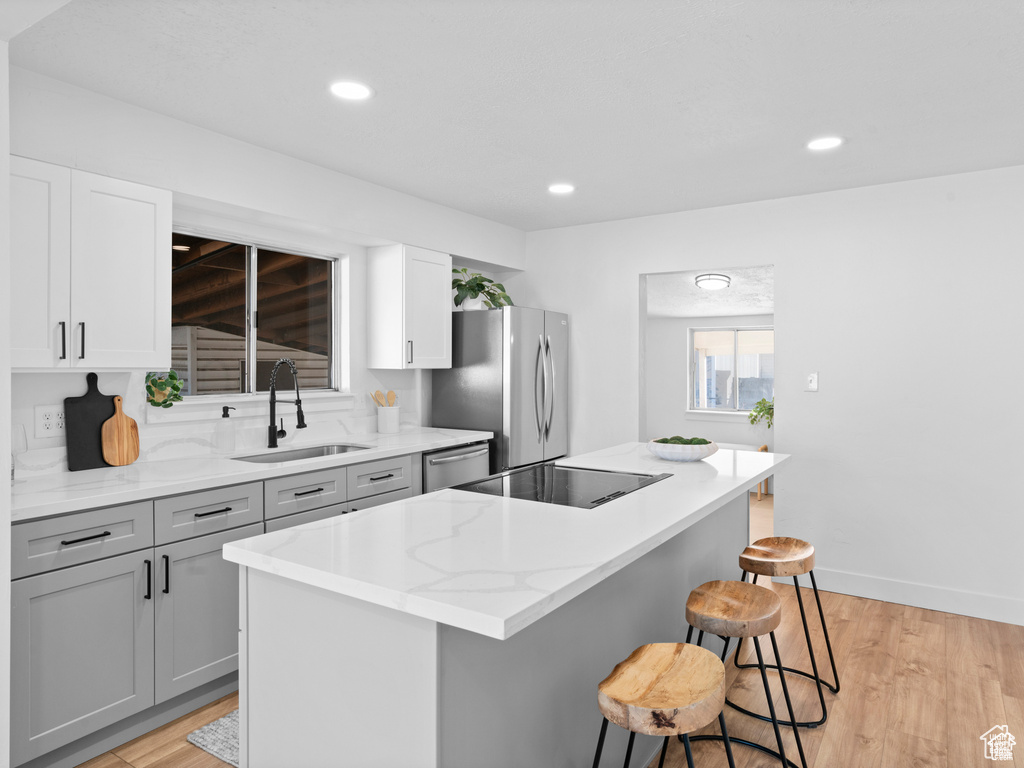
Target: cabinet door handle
<point>149,580</point>
<point>214,512</point>
<point>82,356</point>
<point>85,538</point>
<point>167,574</point>
<point>63,340</point>
<point>382,477</point>
<point>306,493</point>
<point>410,352</point>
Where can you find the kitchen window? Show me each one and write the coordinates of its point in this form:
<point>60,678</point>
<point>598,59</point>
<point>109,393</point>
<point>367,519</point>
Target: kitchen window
<point>731,368</point>
<point>239,307</point>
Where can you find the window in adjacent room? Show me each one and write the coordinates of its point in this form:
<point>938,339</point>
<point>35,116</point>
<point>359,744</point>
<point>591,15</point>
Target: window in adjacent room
<point>237,308</point>
<point>731,368</point>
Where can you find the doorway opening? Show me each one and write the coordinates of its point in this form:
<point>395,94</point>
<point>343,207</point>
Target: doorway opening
<point>707,357</point>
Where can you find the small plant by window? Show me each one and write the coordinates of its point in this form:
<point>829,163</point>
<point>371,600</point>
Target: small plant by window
<point>763,410</point>
<point>163,389</point>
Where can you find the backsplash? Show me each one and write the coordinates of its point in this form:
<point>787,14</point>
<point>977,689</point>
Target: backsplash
<point>188,431</point>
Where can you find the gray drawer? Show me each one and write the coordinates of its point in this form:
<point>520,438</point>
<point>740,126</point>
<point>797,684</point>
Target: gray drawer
<point>382,476</point>
<point>197,514</point>
<point>56,542</point>
<point>381,498</point>
<point>302,493</point>
<point>280,523</point>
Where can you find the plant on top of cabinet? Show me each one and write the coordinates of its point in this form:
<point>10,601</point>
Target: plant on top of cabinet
<point>763,410</point>
<point>469,285</point>
<point>163,389</point>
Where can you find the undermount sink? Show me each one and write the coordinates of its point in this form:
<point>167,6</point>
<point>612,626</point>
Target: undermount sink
<point>298,454</point>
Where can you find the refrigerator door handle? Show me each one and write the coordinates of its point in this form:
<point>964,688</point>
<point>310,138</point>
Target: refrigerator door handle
<point>538,407</point>
<point>550,395</point>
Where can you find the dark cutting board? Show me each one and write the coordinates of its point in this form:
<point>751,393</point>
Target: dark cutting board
<point>83,422</point>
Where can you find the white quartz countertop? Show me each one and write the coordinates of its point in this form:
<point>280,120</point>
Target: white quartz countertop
<point>59,493</point>
<point>494,565</point>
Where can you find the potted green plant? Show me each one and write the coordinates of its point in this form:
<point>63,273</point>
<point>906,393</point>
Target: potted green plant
<point>763,410</point>
<point>470,286</point>
<point>163,389</point>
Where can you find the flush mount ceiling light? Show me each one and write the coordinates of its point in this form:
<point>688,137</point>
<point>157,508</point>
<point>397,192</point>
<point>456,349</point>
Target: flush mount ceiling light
<point>181,248</point>
<point>561,189</point>
<point>353,91</point>
<point>711,281</point>
<point>825,142</point>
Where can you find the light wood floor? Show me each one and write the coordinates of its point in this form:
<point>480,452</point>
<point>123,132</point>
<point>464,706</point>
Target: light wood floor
<point>918,690</point>
<point>166,747</point>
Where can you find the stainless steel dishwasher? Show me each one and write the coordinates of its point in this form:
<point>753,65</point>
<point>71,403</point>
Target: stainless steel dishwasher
<point>453,466</point>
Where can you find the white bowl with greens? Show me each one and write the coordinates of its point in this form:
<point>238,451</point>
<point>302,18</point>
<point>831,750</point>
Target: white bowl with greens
<point>678,448</point>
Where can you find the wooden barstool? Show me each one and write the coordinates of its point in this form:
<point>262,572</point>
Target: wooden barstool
<point>780,557</point>
<point>731,609</point>
<point>664,689</point>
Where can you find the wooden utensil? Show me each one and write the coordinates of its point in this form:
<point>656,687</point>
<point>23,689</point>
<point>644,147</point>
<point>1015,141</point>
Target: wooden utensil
<point>391,398</point>
<point>379,397</point>
<point>83,421</point>
<point>120,437</point>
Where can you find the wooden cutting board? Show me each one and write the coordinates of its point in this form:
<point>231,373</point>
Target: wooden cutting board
<point>120,436</point>
<point>83,422</point>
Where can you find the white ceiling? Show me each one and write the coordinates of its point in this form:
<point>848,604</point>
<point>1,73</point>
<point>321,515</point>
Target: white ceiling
<point>675,294</point>
<point>647,106</point>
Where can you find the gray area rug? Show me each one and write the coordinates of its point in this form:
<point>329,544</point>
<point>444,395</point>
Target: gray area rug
<point>219,738</point>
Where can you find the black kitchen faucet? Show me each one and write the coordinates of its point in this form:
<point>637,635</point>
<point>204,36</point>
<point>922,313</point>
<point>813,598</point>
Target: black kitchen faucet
<point>273,433</point>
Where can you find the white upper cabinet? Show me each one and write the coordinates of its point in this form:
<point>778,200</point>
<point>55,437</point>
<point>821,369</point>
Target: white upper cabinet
<point>409,308</point>
<point>90,268</point>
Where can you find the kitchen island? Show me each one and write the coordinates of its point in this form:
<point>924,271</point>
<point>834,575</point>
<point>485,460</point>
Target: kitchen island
<point>459,629</point>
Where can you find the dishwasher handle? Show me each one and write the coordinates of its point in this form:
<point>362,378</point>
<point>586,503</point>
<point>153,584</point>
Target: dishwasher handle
<point>460,457</point>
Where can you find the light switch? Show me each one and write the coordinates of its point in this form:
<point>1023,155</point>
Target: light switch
<point>812,382</point>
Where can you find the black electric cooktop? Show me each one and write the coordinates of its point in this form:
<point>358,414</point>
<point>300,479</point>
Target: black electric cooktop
<point>554,484</point>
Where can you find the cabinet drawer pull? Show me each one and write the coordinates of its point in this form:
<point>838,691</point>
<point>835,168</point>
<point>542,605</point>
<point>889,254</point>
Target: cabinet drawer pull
<point>214,512</point>
<point>82,356</point>
<point>85,538</point>
<point>382,477</point>
<point>149,580</point>
<point>63,340</point>
<point>410,353</point>
<point>306,493</point>
<point>167,574</point>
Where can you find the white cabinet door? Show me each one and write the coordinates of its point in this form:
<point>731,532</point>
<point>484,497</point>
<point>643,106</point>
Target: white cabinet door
<point>428,308</point>
<point>409,308</point>
<point>120,273</point>
<point>40,264</point>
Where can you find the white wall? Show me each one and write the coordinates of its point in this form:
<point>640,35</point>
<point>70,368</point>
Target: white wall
<point>666,390</point>
<point>906,461</point>
<point>5,413</point>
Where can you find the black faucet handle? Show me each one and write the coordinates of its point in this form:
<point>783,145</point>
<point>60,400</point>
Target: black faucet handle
<point>281,432</point>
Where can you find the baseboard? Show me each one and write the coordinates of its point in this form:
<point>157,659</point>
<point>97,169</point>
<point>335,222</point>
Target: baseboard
<point>976,604</point>
<point>132,727</point>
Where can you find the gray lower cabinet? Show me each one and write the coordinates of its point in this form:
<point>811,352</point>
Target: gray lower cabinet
<point>196,612</point>
<point>82,645</point>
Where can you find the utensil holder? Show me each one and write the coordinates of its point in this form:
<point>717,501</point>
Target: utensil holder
<point>387,420</point>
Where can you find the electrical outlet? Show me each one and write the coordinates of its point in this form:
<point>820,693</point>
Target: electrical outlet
<point>49,421</point>
<point>812,382</point>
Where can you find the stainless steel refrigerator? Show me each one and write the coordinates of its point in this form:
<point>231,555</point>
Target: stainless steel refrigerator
<point>508,376</point>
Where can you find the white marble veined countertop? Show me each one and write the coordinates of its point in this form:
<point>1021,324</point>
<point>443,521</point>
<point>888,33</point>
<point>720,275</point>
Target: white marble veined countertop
<point>59,493</point>
<point>494,565</point>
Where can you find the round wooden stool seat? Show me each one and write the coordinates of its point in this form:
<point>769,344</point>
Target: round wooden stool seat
<point>778,556</point>
<point>664,689</point>
<point>733,609</point>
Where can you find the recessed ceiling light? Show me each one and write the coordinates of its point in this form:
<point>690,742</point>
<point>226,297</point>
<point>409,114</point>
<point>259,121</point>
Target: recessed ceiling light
<point>347,89</point>
<point>712,281</point>
<point>825,142</point>
<point>180,248</point>
<point>561,189</point>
